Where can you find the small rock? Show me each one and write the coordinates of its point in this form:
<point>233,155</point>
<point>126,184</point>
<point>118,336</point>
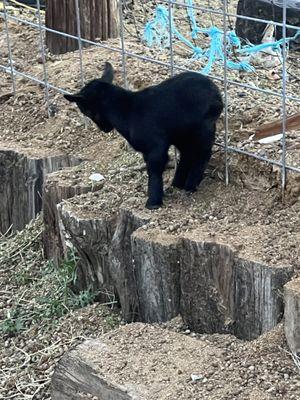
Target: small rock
<point>195,377</point>
<point>96,177</point>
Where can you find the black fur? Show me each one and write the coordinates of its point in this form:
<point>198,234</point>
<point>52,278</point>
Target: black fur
<point>181,111</point>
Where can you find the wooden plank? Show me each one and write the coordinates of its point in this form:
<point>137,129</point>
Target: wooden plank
<point>275,127</point>
<point>99,19</point>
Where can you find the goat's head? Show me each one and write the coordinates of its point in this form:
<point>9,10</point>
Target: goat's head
<point>92,98</point>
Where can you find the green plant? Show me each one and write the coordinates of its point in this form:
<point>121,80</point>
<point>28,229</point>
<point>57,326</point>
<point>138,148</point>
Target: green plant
<point>13,324</point>
<point>112,321</point>
<point>84,298</point>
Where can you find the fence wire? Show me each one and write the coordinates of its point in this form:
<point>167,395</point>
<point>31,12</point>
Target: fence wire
<point>223,12</point>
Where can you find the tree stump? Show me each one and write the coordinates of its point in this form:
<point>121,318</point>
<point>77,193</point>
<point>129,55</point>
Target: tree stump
<point>91,238</point>
<point>156,275</point>
<point>134,362</point>
<point>292,315</point>
<point>60,186</point>
<point>207,286</point>
<point>221,292</point>
<point>21,185</point>
<point>258,297</point>
<point>265,9</point>
<point>99,19</point>
<point>121,262</point>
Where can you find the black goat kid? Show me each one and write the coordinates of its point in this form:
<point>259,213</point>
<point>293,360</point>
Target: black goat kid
<point>181,111</point>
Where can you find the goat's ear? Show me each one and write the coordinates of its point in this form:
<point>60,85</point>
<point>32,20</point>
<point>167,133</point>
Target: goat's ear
<point>73,98</point>
<point>108,74</point>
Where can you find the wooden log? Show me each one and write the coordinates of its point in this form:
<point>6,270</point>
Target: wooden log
<point>58,187</point>
<point>275,127</point>
<point>223,293</point>
<point>292,315</point>
<point>114,367</point>
<point>111,254</point>
<point>258,297</point>
<point>121,265</point>
<point>21,185</point>
<point>268,10</point>
<point>207,286</point>
<point>99,19</point>
<point>156,275</point>
<point>76,377</point>
<point>91,237</point>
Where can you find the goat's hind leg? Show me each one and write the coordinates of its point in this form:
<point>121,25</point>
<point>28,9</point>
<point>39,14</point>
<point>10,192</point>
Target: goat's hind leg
<point>182,171</point>
<point>200,154</point>
<point>196,173</point>
<point>156,163</point>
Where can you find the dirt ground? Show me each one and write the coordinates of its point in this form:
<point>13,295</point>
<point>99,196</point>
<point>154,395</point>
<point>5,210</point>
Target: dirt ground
<point>248,214</point>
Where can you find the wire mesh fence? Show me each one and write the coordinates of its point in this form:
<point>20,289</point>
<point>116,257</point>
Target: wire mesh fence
<point>194,35</point>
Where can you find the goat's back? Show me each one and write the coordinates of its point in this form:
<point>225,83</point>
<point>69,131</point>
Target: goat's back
<point>179,103</point>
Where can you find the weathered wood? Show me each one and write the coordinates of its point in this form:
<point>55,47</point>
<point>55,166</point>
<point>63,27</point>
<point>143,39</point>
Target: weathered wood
<point>275,127</point>
<point>265,9</point>
<point>292,315</point>
<point>258,297</point>
<point>76,377</point>
<point>207,286</point>
<point>156,275</point>
<point>114,367</point>
<point>21,185</point>
<point>221,292</point>
<point>91,238</point>
<point>99,19</point>
<point>121,263</point>
<point>60,186</point>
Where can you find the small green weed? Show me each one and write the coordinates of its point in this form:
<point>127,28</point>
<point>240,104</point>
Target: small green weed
<point>112,321</point>
<point>13,324</point>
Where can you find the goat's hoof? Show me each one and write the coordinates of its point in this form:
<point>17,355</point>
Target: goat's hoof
<point>153,206</point>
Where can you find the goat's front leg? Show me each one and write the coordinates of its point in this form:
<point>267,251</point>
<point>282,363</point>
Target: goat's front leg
<point>156,163</point>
